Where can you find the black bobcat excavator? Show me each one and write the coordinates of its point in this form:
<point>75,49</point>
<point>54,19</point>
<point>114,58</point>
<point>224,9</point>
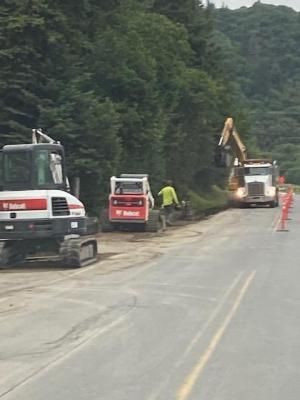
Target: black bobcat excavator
<point>39,217</point>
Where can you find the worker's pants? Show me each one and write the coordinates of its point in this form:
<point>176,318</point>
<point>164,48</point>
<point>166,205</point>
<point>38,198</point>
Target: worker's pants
<point>167,211</point>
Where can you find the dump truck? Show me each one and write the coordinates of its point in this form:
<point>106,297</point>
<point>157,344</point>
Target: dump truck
<point>251,181</point>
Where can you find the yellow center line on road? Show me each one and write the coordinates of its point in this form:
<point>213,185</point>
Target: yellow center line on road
<point>213,316</point>
<point>189,383</point>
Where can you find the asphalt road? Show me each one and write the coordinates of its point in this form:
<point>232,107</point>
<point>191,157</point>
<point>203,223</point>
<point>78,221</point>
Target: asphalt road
<point>207,312</point>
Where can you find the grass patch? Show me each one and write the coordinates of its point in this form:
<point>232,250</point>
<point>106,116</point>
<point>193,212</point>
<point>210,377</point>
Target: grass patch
<point>215,199</point>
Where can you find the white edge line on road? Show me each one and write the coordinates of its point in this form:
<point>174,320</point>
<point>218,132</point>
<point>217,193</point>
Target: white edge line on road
<point>61,357</point>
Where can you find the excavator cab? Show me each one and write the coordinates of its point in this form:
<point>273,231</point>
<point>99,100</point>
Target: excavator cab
<point>222,158</point>
<point>33,167</point>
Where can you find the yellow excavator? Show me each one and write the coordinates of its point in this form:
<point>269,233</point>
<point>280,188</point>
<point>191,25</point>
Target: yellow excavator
<point>251,181</point>
<point>230,140</point>
<point>230,135</point>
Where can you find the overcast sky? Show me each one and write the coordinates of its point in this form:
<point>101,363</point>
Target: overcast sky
<point>239,3</point>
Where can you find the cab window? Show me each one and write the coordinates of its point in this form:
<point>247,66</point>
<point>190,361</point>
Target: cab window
<point>48,166</point>
<point>17,167</point>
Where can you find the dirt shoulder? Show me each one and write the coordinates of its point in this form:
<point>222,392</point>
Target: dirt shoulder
<point>117,251</point>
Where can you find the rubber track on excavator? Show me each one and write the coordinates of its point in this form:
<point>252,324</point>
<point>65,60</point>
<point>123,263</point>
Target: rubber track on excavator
<point>79,252</point>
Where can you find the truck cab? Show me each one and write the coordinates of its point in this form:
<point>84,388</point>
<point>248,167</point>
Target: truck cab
<point>257,183</point>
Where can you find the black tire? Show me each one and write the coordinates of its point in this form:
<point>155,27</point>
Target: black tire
<point>106,225</point>
<point>154,223</point>
<point>272,204</point>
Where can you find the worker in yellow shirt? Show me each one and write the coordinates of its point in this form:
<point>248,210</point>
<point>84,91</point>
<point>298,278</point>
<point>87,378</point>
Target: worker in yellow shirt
<point>169,199</point>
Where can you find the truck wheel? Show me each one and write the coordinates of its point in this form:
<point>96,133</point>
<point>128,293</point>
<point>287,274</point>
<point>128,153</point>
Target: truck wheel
<point>153,224</point>
<point>106,225</point>
<point>272,204</point>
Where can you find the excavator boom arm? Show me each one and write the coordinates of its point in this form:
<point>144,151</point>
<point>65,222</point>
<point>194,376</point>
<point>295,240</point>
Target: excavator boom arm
<point>230,136</point>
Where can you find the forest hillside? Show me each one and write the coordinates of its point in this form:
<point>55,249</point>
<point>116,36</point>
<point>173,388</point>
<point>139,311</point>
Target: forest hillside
<point>262,54</point>
<point>144,86</point>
